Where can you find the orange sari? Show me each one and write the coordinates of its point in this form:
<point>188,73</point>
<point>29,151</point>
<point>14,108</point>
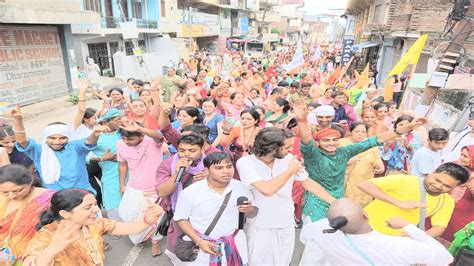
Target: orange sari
<point>75,253</point>
<point>24,228</point>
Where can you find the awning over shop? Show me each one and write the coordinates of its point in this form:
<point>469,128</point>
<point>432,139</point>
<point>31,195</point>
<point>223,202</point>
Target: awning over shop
<point>360,46</point>
<point>244,40</point>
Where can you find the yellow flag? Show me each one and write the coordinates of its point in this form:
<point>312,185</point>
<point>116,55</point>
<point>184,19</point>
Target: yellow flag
<point>363,79</point>
<point>388,90</point>
<point>411,57</point>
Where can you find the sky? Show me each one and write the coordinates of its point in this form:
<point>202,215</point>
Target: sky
<point>317,7</point>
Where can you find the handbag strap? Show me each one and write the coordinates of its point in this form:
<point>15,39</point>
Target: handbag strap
<point>421,221</point>
<point>358,250</point>
<point>219,214</point>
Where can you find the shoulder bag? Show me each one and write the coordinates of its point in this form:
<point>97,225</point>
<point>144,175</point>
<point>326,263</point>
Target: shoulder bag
<point>188,250</point>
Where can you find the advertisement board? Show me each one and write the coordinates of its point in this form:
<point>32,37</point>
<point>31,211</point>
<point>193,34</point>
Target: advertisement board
<point>31,64</point>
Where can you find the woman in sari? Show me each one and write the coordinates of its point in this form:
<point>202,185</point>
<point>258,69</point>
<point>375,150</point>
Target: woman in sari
<point>369,117</point>
<point>7,141</point>
<point>20,206</point>
<point>278,116</point>
<point>71,234</point>
<point>361,167</point>
<point>463,196</point>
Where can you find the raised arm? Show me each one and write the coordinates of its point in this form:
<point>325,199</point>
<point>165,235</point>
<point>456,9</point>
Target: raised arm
<point>130,125</point>
<point>301,113</point>
<point>155,89</point>
<point>81,105</point>
<point>390,135</point>
<point>163,117</point>
<point>317,190</point>
<point>18,127</point>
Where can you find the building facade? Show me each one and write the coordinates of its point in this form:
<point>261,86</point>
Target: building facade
<point>37,59</point>
<point>383,30</point>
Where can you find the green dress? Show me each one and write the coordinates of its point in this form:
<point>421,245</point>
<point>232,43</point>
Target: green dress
<point>169,86</point>
<point>329,171</point>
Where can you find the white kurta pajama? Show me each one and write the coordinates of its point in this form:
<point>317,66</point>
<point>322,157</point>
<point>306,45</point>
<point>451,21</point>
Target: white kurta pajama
<point>335,249</point>
<point>200,204</point>
<point>271,234</point>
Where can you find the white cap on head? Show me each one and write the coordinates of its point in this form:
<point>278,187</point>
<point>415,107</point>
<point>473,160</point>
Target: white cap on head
<point>324,110</point>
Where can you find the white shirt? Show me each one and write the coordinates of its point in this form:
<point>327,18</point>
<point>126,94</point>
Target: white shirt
<point>425,161</point>
<point>200,204</point>
<point>275,211</point>
<point>81,132</point>
<point>380,249</point>
<point>452,152</point>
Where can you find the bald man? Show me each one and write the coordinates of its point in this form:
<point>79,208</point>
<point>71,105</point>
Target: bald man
<point>346,238</point>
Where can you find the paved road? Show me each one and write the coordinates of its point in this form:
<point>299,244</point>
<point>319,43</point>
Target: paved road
<point>124,253</point>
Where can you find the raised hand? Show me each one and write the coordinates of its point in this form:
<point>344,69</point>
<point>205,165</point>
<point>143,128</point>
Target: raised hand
<point>299,109</point>
<point>63,236</point>
<point>166,108</point>
<point>99,129</point>
<point>129,125</point>
<point>82,84</point>
<point>16,111</point>
<point>416,123</point>
<point>155,84</point>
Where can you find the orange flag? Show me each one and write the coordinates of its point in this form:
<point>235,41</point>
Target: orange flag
<point>334,75</point>
<point>388,90</point>
<point>363,79</point>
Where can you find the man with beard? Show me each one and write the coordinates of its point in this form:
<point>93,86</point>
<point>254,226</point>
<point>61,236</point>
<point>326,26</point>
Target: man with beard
<point>400,196</point>
<point>61,162</point>
<point>190,156</point>
<point>269,174</point>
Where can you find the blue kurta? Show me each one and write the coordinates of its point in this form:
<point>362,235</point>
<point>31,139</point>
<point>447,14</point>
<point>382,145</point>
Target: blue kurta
<point>110,175</point>
<point>72,160</point>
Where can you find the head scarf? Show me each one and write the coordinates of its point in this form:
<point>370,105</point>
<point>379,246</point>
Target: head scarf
<point>111,113</point>
<point>470,148</point>
<point>50,166</point>
<point>327,132</point>
<point>324,110</point>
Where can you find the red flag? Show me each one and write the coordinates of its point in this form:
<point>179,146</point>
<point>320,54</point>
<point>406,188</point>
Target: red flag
<point>335,75</point>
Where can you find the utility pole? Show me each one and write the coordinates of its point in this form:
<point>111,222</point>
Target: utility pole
<point>190,27</point>
<point>461,31</point>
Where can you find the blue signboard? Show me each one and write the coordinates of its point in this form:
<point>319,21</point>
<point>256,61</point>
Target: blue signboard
<point>347,50</point>
<point>244,26</point>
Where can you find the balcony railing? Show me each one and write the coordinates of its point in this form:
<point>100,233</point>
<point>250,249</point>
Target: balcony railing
<point>114,23</point>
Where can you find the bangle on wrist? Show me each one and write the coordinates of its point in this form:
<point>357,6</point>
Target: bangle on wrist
<point>81,100</point>
<point>19,131</point>
<point>226,133</point>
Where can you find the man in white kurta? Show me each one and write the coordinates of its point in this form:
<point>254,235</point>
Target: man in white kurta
<point>369,247</point>
<point>271,234</point>
<point>199,203</point>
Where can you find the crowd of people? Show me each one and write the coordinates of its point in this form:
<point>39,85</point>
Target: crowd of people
<point>226,157</point>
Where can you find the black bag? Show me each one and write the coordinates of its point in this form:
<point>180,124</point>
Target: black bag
<point>188,250</point>
<point>165,223</point>
<point>464,258</point>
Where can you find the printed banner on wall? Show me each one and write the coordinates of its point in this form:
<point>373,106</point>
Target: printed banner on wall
<point>31,64</point>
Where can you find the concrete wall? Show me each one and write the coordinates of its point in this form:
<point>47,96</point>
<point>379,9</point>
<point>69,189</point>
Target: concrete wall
<point>165,53</point>
<point>45,12</point>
